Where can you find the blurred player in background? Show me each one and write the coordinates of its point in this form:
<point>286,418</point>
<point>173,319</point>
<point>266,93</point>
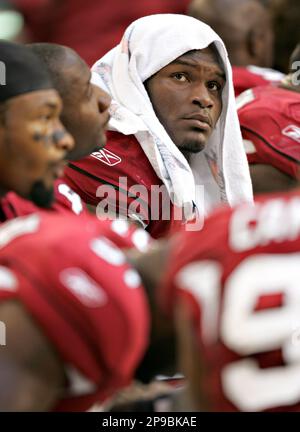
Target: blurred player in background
<point>246,29</point>
<point>270,124</point>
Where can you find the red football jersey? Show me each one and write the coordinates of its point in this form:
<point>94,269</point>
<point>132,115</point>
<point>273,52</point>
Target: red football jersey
<point>122,176</point>
<point>65,201</point>
<point>270,124</point>
<point>240,277</point>
<point>72,277</point>
<point>245,78</point>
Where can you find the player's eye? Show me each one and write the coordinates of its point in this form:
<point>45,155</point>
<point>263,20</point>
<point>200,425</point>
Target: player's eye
<point>45,116</point>
<point>214,86</point>
<point>180,77</point>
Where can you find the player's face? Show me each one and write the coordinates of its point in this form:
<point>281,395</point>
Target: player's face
<point>187,98</point>
<point>85,112</point>
<point>33,145</point>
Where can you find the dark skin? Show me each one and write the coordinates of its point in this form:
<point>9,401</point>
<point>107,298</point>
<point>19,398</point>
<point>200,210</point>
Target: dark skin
<point>85,106</point>
<point>244,25</point>
<point>187,98</point>
<point>33,142</point>
<point>31,372</point>
<point>85,113</point>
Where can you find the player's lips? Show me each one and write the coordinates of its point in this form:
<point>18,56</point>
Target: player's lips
<point>199,121</point>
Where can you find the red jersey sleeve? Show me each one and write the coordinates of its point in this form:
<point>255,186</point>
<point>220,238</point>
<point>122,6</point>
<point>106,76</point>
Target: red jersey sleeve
<point>79,283</point>
<point>269,119</point>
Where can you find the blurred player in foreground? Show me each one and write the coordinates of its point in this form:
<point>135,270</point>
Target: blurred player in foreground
<point>234,292</point>
<point>74,317</point>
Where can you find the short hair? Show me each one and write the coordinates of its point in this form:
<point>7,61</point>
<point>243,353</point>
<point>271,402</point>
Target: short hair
<point>54,56</point>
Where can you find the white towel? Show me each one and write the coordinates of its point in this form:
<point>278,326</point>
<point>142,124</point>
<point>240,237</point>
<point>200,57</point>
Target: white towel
<point>148,45</point>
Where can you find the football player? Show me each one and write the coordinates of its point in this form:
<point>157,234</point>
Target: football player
<point>270,125</point>
<point>33,142</point>
<point>75,316</point>
<point>233,291</point>
<point>84,114</point>
<point>172,117</point>
<point>247,31</point>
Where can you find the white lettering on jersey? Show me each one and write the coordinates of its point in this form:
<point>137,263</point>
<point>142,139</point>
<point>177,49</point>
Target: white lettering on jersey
<point>249,146</point>
<point>267,73</point>
<point>79,384</point>
<point>108,251</point>
<point>292,132</point>
<point>248,332</point>
<point>132,278</point>
<point>82,286</point>
<point>244,99</point>
<point>259,224</point>
<point>202,280</point>
<point>17,228</point>
<point>8,281</point>
<point>71,196</point>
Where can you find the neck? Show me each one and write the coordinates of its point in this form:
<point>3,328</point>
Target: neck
<point>187,155</point>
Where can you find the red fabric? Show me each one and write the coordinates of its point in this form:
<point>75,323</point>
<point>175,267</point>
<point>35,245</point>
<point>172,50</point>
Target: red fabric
<point>214,245</point>
<point>244,79</point>
<point>130,162</point>
<point>12,205</point>
<point>85,302</point>
<point>271,121</point>
<point>91,27</point>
